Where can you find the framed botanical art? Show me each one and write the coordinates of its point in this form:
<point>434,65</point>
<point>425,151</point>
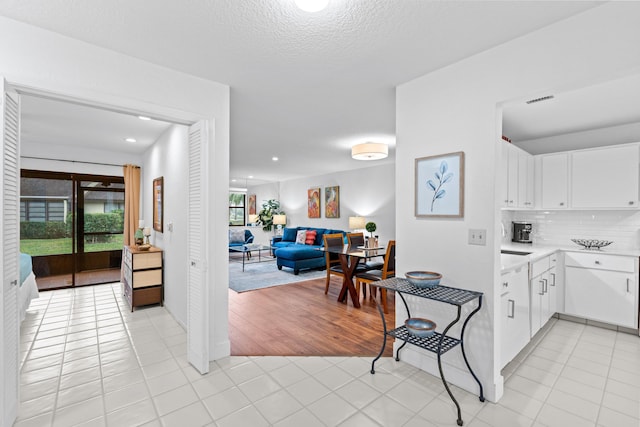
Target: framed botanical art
<point>252,204</point>
<point>158,203</point>
<point>313,202</point>
<point>332,202</point>
<point>439,191</point>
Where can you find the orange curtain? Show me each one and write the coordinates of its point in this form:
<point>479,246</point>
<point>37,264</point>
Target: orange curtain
<point>131,202</point>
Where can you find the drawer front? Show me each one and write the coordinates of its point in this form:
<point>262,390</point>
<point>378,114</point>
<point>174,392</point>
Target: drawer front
<point>540,266</point>
<point>147,260</point>
<point>147,296</point>
<point>147,278</point>
<point>600,261</point>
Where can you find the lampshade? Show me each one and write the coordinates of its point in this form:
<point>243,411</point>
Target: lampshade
<point>370,151</point>
<point>279,219</point>
<point>253,219</point>
<point>357,222</point>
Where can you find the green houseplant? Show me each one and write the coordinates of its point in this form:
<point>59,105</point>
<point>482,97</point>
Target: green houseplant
<point>265,216</point>
<point>371,227</point>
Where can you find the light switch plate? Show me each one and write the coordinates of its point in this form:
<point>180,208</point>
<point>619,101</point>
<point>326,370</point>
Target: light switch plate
<point>477,236</point>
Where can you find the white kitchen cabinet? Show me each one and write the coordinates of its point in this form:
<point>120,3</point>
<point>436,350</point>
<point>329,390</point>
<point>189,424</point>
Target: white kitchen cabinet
<point>525,179</point>
<point>514,315</point>
<point>605,177</point>
<point>602,287</point>
<point>554,181</point>
<point>509,175</point>
<point>544,287</point>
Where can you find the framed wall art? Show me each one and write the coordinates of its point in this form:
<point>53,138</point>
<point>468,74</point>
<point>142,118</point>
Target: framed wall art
<point>252,204</point>
<point>313,202</point>
<point>332,202</point>
<point>439,191</point>
<point>158,203</point>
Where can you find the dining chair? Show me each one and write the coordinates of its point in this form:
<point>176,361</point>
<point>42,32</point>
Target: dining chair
<point>388,271</point>
<point>357,239</point>
<point>333,260</point>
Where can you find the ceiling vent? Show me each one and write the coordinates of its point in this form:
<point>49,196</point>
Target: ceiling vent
<point>544,98</point>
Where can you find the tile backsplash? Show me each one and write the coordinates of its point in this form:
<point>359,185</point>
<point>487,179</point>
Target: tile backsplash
<point>559,227</point>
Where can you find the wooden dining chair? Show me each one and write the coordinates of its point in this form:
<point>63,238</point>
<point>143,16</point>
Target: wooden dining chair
<point>357,239</point>
<point>333,260</point>
<point>388,271</point>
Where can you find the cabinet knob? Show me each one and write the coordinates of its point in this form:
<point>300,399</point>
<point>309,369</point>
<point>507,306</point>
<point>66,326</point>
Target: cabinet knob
<point>631,202</point>
<point>597,262</point>
<point>505,284</point>
<point>561,203</point>
<point>510,201</point>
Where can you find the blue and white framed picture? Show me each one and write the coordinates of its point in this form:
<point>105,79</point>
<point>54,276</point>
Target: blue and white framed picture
<point>440,186</point>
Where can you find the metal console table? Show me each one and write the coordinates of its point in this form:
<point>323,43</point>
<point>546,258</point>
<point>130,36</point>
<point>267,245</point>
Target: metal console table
<point>438,343</point>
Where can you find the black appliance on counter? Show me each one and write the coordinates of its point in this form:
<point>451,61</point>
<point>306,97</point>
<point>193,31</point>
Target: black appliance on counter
<point>521,232</point>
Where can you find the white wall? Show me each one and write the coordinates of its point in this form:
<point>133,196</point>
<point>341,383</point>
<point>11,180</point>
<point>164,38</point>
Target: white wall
<point>39,60</point>
<point>455,109</point>
<point>168,158</point>
<point>368,192</point>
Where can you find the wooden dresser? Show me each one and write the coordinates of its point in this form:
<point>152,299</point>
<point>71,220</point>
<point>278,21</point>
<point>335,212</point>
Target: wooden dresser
<point>143,276</point>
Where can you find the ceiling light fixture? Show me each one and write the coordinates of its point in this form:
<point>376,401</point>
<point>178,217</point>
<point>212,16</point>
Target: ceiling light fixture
<point>130,139</point>
<point>544,98</point>
<point>144,118</point>
<point>312,5</point>
<point>275,159</point>
<point>370,151</point>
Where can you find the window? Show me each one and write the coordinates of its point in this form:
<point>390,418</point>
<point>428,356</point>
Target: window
<point>236,209</point>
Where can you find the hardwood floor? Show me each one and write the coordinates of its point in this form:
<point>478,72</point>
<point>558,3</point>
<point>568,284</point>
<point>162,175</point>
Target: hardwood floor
<point>299,319</point>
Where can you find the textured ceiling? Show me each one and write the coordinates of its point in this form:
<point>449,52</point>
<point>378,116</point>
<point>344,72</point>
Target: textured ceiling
<point>302,85</point>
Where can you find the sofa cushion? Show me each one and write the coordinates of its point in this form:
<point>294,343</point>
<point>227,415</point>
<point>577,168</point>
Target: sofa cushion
<point>301,237</point>
<point>289,234</point>
<point>236,236</point>
<point>298,252</point>
<point>310,237</point>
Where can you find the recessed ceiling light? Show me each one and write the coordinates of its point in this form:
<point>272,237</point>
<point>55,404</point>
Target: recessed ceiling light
<point>250,176</point>
<point>275,159</point>
<point>130,139</point>
<point>144,118</point>
<point>312,5</point>
<point>233,180</point>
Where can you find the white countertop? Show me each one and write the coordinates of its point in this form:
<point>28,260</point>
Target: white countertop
<point>511,262</point>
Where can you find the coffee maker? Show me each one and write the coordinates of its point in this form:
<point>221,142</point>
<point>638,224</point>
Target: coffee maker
<point>521,232</point>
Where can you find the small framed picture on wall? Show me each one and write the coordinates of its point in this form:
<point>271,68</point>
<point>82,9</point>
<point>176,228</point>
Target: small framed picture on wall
<point>332,202</point>
<point>158,203</point>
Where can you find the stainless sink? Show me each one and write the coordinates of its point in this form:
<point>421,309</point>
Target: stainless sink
<point>504,251</point>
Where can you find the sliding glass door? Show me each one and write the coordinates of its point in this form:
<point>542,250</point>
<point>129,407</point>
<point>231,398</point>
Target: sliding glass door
<point>72,226</point>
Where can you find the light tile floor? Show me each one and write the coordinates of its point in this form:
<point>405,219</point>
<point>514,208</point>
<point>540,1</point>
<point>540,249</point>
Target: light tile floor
<point>89,361</point>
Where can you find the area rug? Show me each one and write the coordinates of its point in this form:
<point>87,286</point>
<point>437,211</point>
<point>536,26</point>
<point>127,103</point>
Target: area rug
<point>264,275</point>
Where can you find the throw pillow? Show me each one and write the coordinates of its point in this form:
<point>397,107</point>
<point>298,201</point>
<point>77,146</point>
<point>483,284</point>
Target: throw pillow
<point>301,237</point>
<point>236,236</point>
<point>311,237</point>
<point>289,234</point>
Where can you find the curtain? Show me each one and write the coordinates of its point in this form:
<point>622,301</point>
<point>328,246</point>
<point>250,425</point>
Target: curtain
<point>131,202</point>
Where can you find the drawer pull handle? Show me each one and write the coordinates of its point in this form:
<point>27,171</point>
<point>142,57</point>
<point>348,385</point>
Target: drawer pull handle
<point>546,288</point>
<point>554,278</point>
<point>193,263</point>
<point>513,309</point>
<point>561,203</point>
<point>505,284</point>
<point>628,290</point>
<point>597,262</point>
<point>15,283</point>
<point>631,202</point>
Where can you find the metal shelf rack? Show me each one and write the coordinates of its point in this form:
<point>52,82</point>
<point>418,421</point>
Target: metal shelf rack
<point>438,343</point>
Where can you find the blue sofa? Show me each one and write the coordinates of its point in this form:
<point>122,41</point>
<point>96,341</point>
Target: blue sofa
<point>296,256</point>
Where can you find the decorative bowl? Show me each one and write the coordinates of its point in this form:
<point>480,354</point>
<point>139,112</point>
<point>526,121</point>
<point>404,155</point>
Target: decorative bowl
<point>592,244</point>
<point>423,279</point>
<point>144,247</point>
<point>420,327</point>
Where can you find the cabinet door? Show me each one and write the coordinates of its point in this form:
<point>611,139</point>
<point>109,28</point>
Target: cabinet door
<point>513,176</point>
<point>554,181</point>
<point>537,294</point>
<point>504,330</point>
<point>605,177</point>
<point>606,296</point>
<point>525,179</point>
<point>504,174</point>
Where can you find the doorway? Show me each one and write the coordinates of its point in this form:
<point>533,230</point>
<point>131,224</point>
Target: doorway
<point>72,226</point>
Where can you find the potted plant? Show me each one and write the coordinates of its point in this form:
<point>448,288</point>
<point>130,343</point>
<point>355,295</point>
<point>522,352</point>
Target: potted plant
<point>265,216</point>
<point>371,227</point>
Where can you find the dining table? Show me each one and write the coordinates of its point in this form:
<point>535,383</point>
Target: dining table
<point>349,257</point>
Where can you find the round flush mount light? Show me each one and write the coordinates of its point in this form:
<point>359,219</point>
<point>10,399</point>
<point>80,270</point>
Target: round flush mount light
<point>130,139</point>
<point>275,159</point>
<point>312,5</point>
<point>370,151</point>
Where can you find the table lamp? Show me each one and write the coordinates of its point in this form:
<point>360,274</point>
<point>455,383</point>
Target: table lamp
<point>279,220</point>
<point>357,222</point>
<point>147,233</point>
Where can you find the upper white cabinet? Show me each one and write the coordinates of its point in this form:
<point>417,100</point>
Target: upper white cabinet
<point>554,171</point>
<point>516,176</point>
<point>605,177</point>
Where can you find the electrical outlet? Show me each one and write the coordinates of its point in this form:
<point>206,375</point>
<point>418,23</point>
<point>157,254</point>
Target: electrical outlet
<point>477,237</point>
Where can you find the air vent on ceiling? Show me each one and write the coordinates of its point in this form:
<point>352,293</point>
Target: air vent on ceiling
<point>544,98</point>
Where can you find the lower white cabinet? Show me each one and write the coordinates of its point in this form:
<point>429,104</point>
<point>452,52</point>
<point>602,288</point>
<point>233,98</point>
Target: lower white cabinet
<point>514,314</point>
<point>543,289</point>
<point>602,287</point>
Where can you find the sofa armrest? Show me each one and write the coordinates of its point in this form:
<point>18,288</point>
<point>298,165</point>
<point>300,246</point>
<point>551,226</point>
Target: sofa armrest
<point>276,239</point>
